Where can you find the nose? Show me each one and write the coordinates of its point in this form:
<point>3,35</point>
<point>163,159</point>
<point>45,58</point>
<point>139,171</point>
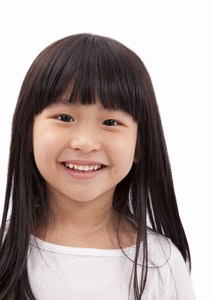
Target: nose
<point>86,141</point>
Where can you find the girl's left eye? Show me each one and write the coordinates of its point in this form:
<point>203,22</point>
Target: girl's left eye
<point>110,122</point>
<point>65,118</point>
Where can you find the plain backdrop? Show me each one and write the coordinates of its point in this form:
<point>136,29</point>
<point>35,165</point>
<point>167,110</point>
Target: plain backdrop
<point>173,38</point>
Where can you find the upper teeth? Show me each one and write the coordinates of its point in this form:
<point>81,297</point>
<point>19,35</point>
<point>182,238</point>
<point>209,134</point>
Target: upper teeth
<point>83,167</point>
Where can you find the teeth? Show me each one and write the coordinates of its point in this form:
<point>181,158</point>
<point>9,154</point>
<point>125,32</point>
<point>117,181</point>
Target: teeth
<point>84,168</point>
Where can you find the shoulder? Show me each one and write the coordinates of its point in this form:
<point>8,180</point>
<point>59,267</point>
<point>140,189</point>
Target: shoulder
<point>172,271</point>
<point>162,250</point>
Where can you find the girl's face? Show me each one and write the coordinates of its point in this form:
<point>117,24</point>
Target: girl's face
<point>83,151</point>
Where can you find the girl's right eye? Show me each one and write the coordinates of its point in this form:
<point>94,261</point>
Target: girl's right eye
<point>65,118</point>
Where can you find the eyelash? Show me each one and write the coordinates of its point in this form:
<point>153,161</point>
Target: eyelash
<point>110,122</point>
<point>67,118</point>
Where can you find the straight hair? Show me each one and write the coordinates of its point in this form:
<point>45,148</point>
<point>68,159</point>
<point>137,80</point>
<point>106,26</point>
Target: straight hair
<point>83,68</point>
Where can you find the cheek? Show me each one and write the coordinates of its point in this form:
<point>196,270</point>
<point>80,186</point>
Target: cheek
<point>124,154</point>
<point>45,147</point>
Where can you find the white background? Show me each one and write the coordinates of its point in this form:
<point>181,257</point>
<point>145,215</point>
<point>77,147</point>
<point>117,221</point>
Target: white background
<point>173,38</point>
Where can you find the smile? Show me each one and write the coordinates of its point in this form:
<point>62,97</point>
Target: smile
<point>84,168</point>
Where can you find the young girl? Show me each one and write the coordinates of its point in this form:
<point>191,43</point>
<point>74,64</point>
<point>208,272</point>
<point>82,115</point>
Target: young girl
<point>93,208</point>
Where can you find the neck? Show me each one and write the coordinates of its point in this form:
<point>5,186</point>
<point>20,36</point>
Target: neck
<point>81,224</point>
<point>84,218</point>
<point>89,224</point>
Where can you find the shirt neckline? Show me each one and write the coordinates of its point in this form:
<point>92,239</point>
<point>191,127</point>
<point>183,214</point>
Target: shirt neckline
<point>60,249</point>
<point>50,247</point>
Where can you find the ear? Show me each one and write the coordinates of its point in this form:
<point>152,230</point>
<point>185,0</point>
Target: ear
<point>136,160</point>
<point>136,155</point>
<point>29,146</point>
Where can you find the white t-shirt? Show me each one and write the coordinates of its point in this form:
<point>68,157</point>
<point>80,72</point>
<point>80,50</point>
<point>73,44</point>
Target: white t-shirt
<point>64,273</point>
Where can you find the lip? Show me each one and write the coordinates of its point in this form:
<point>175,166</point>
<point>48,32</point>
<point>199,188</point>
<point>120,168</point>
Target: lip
<point>83,175</point>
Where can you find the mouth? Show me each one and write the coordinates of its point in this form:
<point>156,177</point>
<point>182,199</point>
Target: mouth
<point>83,167</point>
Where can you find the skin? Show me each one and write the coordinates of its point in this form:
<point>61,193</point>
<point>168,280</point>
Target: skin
<point>84,135</point>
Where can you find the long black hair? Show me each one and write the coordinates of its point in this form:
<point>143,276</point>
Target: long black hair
<point>87,66</point>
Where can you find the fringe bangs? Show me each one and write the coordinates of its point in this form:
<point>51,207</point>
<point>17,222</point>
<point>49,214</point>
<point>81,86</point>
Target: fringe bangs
<point>90,69</point>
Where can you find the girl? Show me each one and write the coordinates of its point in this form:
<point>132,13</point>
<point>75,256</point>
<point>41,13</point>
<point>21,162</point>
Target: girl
<point>93,208</point>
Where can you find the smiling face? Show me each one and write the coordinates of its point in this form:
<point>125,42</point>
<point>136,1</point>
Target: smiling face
<point>83,151</point>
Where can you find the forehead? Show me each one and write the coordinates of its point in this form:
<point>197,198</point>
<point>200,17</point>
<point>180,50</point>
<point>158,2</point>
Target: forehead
<point>77,105</point>
<point>93,95</point>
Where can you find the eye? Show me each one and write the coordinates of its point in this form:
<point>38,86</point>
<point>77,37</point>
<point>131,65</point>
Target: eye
<point>110,122</point>
<point>65,118</point>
